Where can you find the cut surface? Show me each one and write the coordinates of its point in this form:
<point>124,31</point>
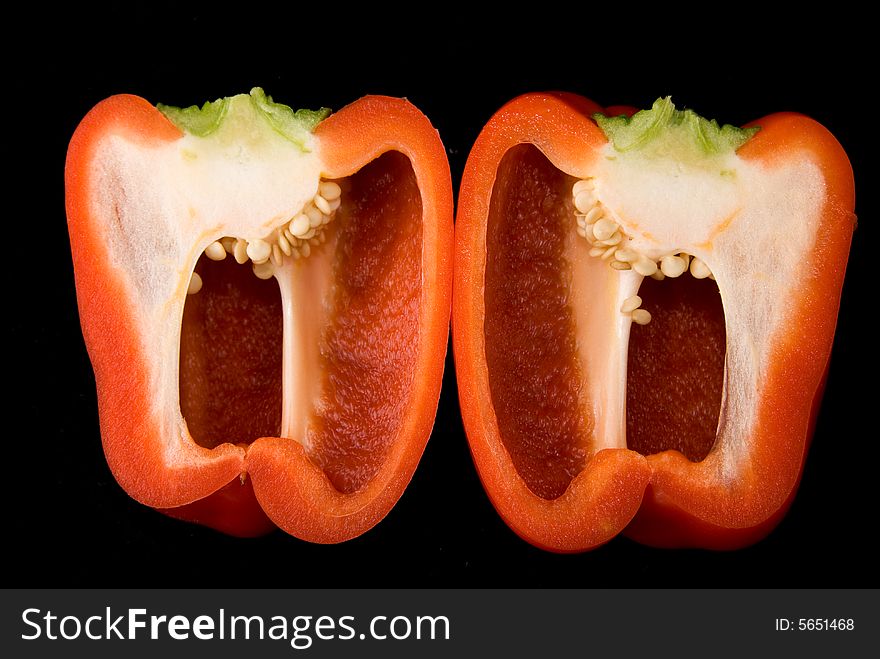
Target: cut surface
<point>529,326</point>
<point>675,371</point>
<point>230,356</point>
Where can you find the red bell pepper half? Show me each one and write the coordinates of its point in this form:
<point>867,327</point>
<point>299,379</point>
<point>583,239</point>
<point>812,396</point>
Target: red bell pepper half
<point>265,298</point>
<point>643,312</point>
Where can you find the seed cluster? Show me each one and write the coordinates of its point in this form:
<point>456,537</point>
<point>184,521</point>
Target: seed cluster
<point>610,243</point>
<point>294,240</point>
<point>631,306</point>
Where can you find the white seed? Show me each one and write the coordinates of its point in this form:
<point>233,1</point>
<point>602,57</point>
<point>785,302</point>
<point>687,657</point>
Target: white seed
<point>594,215</point>
<point>335,203</point>
<point>699,269</point>
<point>630,304</point>
<point>641,317</point>
<point>597,251</point>
<point>322,204</point>
<point>326,219</point>
<point>329,190</point>
<point>264,270</point>
<point>620,265</point>
<point>615,239</point>
<point>228,244</point>
<point>240,251</point>
<point>299,226</point>
<point>305,250</point>
<point>259,251</point>
<point>277,257</point>
<point>290,237</point>
<point>310,234</point>
<point>659,276</point>
<point>315,216</point>
<point>581,232</point>
<point>283,243</point>
<point>672,266</point>
<point>294,254</point>
<point>215,251</point>
<point>686,258</point>
<point>627,255</point>
<point>609,252</point>
<point>321,237</point>
<point>583,184</point>
<point>584,201</point>
<point>580,221</point>
<point>195,284</point>
<point>604,228</point>
<point>645,267</point>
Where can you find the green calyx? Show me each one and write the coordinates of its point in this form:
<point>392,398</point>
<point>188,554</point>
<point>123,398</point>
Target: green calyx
<point>237,114</point>
<point>665,131</point>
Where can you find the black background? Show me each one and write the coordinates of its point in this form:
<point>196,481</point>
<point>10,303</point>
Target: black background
<point>71,524</point>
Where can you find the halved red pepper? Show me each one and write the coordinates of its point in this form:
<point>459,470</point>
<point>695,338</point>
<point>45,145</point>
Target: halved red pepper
<point>265,298</point>
<point>643,313</point>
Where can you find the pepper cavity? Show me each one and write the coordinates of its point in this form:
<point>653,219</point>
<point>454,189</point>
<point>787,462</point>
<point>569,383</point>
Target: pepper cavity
<point>293,240</point>
<point>610,243</point>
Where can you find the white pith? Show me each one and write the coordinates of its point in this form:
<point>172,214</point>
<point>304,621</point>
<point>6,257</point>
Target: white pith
<point>293,240</point>
<point>748,224</point>
<point>162,206</point>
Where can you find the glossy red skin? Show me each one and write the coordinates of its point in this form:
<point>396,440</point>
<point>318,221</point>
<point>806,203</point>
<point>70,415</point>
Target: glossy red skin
<point>233,509</point>
<point>281,486</point>
<point>662,500</point>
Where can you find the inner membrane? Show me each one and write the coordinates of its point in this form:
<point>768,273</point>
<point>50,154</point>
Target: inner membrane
<point>370,347</point>
<point>531,349</point>
<point>230,356</point>
<point>675,369</point>
<point>675,364</point>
